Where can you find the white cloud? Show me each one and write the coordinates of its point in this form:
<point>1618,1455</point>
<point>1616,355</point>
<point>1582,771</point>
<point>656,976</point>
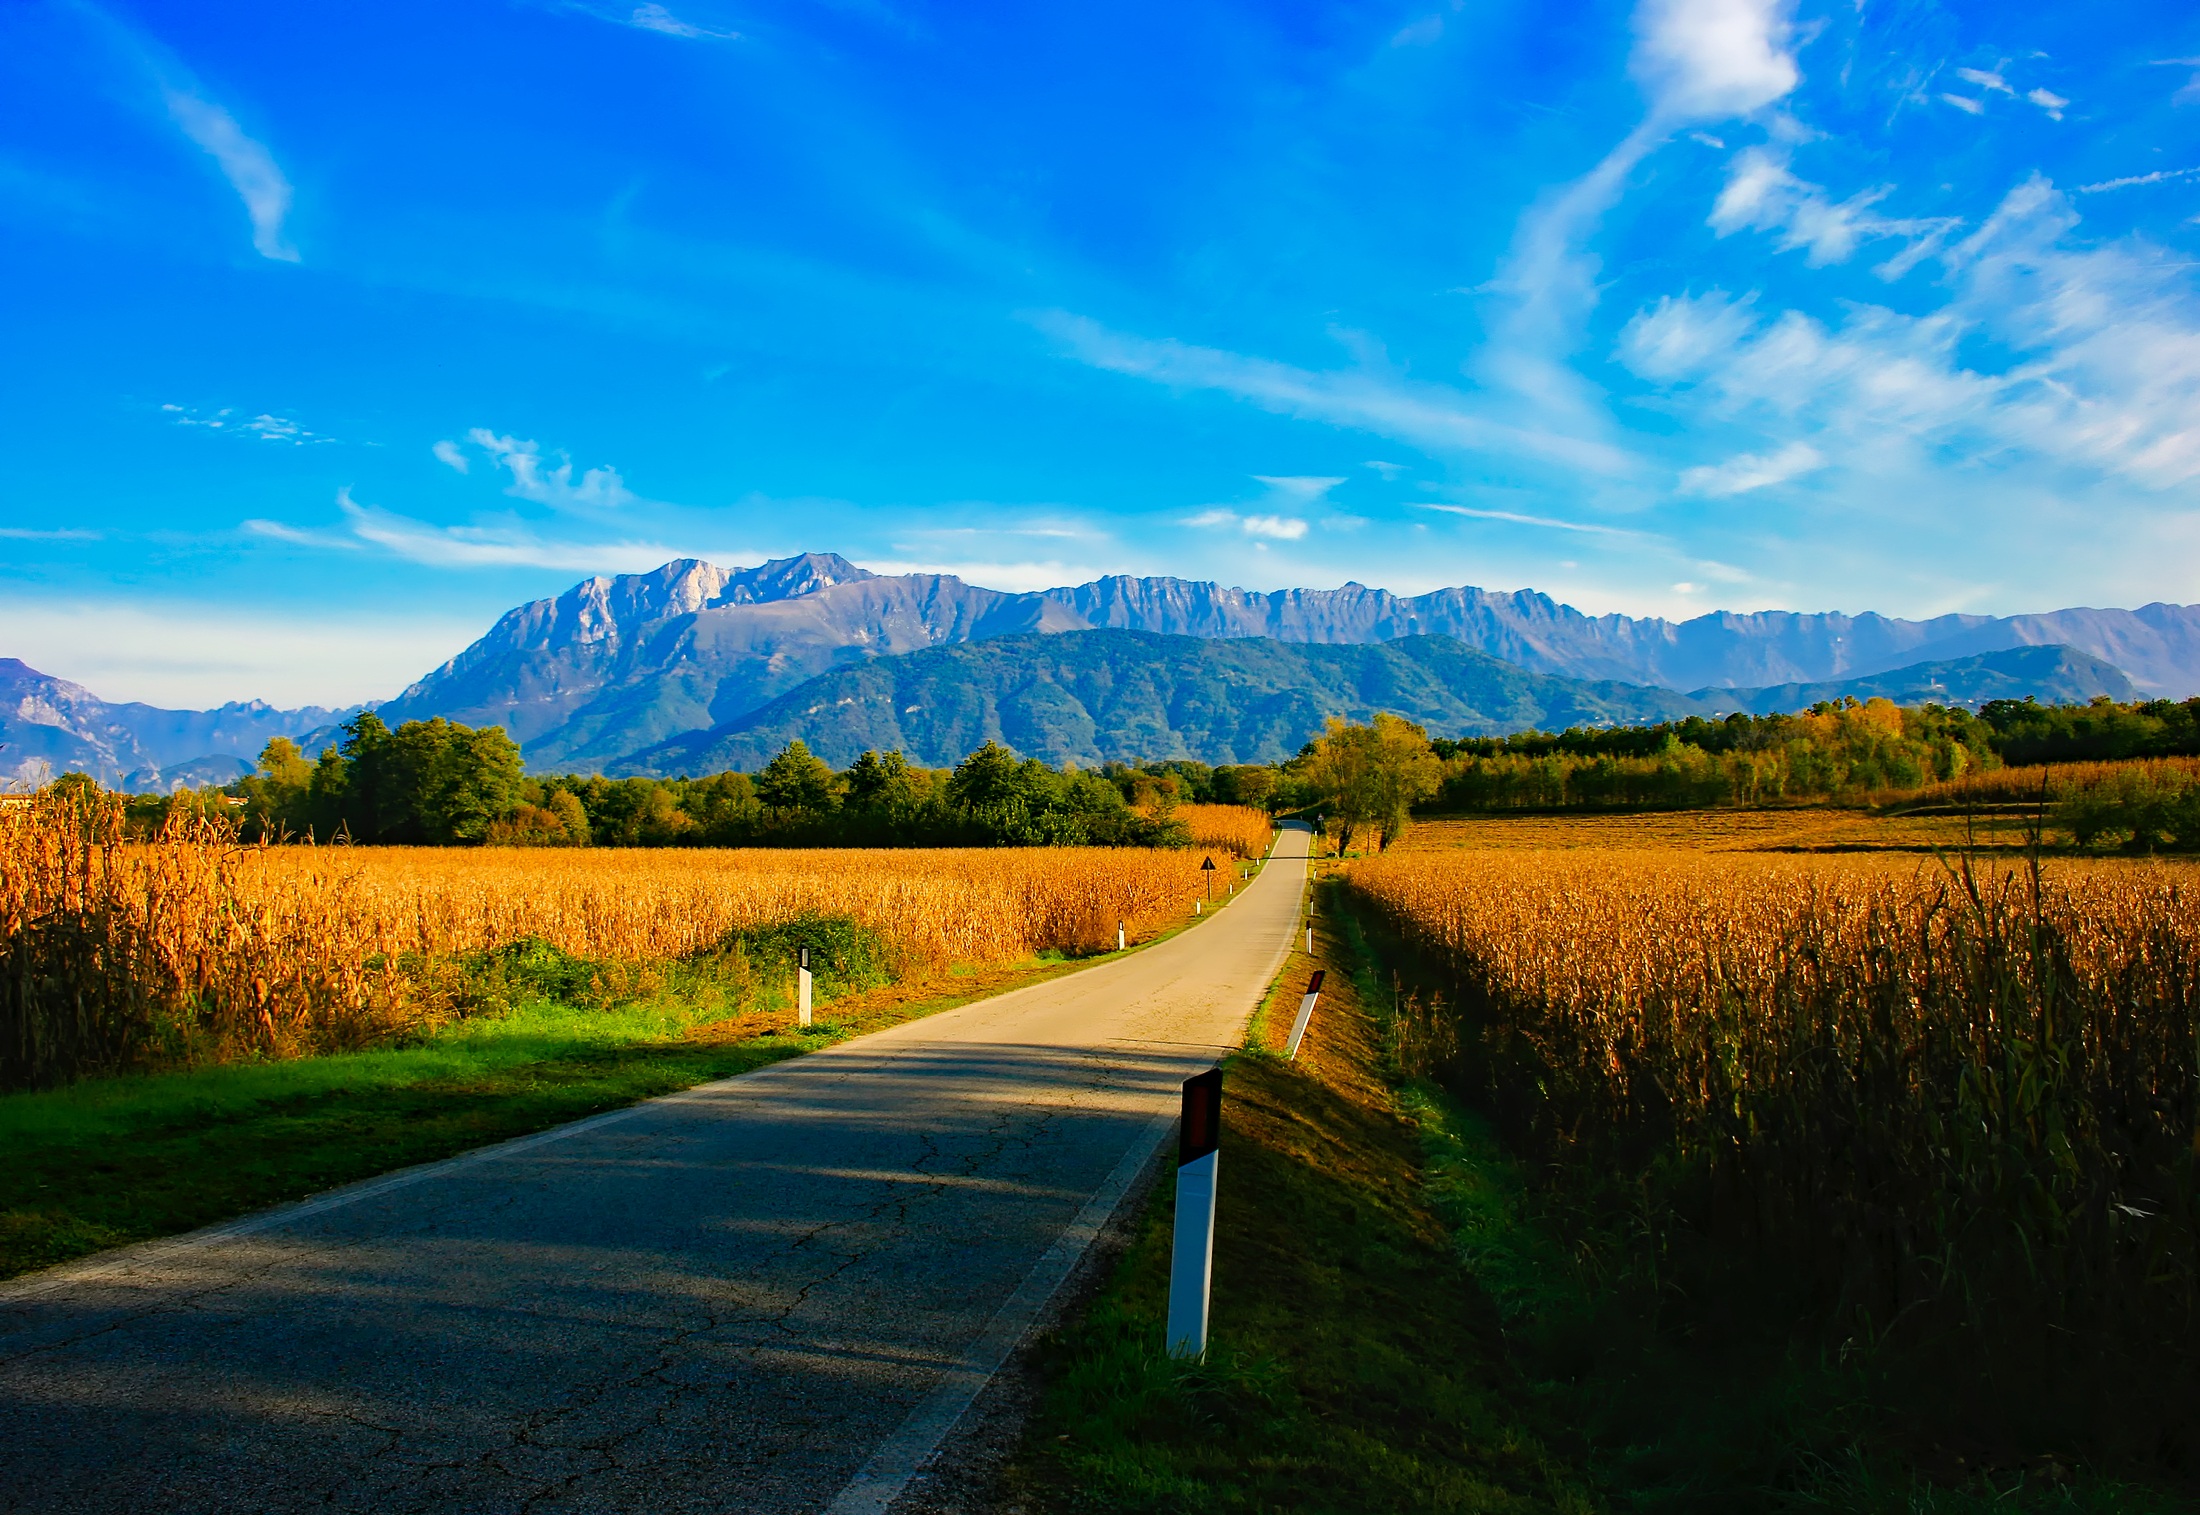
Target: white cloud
<point>1389,471</point>
<point>1274,527</point>
<point>1706,60</point>
<point>2047,100</point>
<point>1763,195</point>
<point>598,489</point>
<point>57,534</point>
<point>1985,79</point>
<point>655,18</point>
<point>509,546</point>
<point>249,166</point>
<point>451,455</point>
<point>1739,475</point>
<point>2104,375</point>
<point>1966,104</point>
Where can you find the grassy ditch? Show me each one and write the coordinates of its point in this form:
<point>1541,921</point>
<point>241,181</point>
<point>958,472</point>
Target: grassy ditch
<point>109,1161</point>
<point>1353,1367</point>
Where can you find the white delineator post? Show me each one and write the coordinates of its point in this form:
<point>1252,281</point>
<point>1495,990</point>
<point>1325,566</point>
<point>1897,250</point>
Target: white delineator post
<point>1119,939</point>
<point>1192,1254</point>
<point>1306,1014</point>
<point>802,985</point>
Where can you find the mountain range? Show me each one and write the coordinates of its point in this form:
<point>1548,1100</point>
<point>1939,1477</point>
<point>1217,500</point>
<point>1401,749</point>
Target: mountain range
<point>634,672</point>
<point>615,667</point>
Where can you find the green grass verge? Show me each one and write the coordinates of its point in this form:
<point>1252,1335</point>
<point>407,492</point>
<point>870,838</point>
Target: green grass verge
<point>1353,1368</point>
<point>109,1161</point>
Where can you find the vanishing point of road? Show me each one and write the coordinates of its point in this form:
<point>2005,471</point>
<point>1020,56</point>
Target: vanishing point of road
<point>772,1293</point>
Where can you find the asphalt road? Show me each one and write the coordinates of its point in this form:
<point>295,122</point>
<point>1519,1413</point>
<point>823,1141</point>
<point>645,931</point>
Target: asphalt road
<point>771,1293</point>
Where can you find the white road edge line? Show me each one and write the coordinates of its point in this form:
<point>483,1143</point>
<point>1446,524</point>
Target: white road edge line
<point>899,1458</point>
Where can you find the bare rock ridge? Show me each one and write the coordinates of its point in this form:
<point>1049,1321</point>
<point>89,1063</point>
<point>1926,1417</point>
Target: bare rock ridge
<point>617,666</point>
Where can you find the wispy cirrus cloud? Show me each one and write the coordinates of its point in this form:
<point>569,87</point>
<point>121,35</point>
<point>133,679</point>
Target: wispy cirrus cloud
<point>250,168</point>
<point>655,18</point>
<point>54,534</point>
<point>1433,416</point>
<point>1762,194</point>
<point>502,546</point>
<point>299,536</point>
<point>1520,518</point>
<point>2104,372</point>
<point>265,426</point>
<point>2133,181</point>
<point>539,481</point>
<point>1740,475</point>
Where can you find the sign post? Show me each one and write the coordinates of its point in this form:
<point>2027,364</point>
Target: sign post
<point>1192,1253</point>
<point>802,985</point>
<point>1306,1014</point>
<point>1208,868</point>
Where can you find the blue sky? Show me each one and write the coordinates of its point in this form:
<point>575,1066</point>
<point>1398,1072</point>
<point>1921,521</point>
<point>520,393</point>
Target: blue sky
<point>334,330</point>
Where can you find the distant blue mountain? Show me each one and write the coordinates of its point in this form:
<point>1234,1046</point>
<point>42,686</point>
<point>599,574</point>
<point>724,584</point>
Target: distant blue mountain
<point>1090,697</point>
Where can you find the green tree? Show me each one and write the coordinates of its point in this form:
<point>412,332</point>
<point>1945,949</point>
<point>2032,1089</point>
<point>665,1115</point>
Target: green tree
<point>366,757</point>
<point>1370,777</point>
<point>796,781</point>
<point>278,796</point>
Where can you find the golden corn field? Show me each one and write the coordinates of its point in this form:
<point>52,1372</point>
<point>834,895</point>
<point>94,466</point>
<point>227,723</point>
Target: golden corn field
<point>113,951</point>
<point>1953,1099</point>
<point>1238,829</point>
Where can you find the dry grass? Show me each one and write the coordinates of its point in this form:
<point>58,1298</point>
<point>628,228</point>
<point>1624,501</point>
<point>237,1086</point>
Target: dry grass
<point>1958,1099</point>
<point>1238,829</point>
<point>115,954</point>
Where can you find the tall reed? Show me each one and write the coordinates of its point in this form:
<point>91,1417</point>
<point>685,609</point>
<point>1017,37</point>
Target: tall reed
<point>1954,1105</point>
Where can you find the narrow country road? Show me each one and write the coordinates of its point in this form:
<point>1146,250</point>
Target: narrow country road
<point>772,1293</point>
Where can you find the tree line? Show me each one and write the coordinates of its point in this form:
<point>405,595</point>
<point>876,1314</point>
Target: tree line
<point>442,783</point>
<point>1835,749</point>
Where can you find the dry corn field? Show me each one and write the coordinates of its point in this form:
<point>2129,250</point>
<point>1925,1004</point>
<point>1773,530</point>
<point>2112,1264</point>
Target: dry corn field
<point>1930,1094</point>
<point>109,950</point>
<point>1238,829</point>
